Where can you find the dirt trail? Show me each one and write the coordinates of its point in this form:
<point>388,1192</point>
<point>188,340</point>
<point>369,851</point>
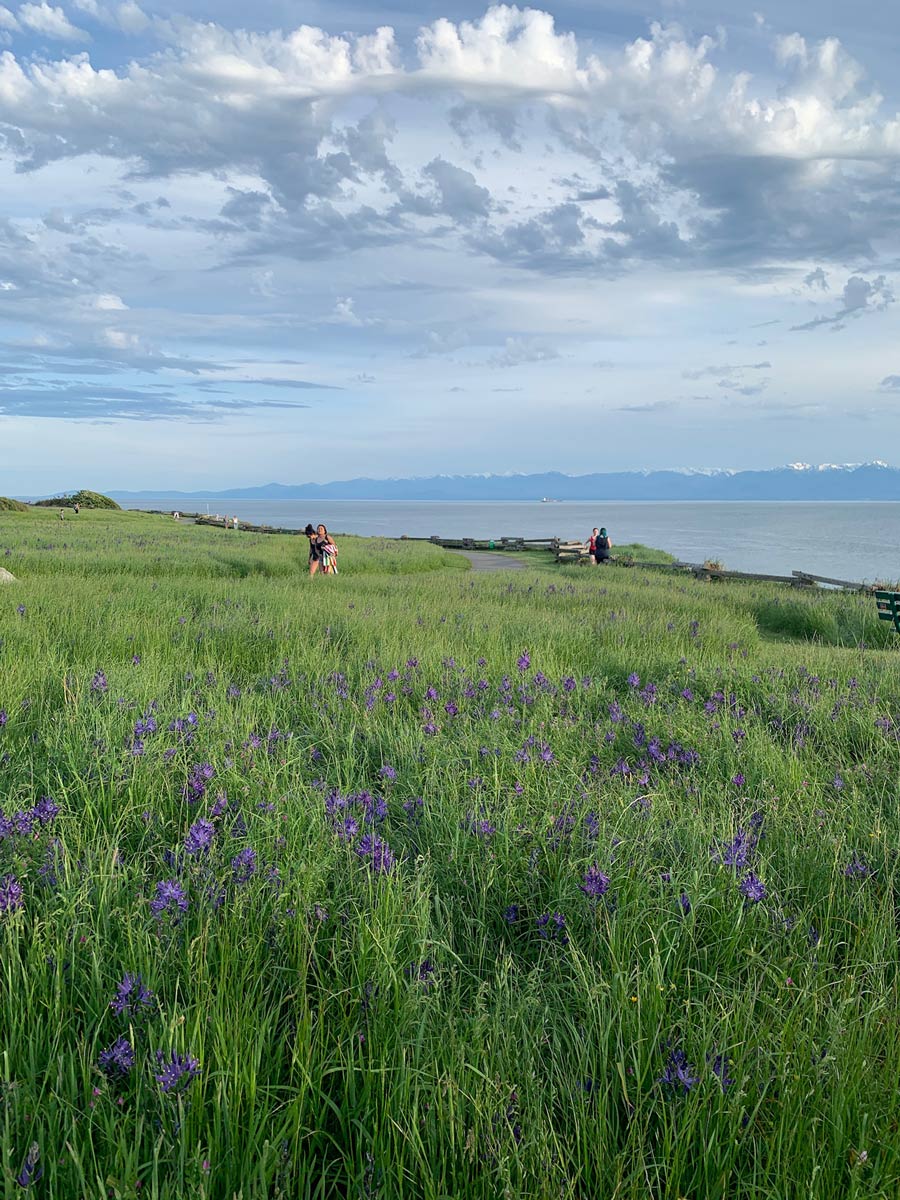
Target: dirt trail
<point>484,560</point>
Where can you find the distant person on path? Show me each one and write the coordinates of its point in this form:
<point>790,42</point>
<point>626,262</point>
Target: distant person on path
<point>591,544</point>
<point>62,514</point>
<point>77,508</point>
<point>234,521</point>
<point>602,548</point>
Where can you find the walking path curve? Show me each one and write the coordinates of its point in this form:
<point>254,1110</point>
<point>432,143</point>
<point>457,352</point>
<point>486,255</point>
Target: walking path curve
<point>484,560</point>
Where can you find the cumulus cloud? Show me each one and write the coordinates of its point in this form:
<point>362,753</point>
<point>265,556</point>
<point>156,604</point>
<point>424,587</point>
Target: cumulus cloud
<point>859,296</point>
<point>461,197</point>
<point>50,22</point>
<point>536,187</point>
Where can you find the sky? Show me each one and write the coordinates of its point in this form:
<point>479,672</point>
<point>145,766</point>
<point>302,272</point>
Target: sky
<point>312,241</point>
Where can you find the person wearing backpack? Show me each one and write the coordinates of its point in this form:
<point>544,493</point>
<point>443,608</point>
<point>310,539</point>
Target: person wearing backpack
<point>602,547</point>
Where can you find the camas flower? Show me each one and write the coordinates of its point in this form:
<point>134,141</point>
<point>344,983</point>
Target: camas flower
<point>117,1060</point>
<point>175,1071</point>
<point>243,865</point>
<point>752,889</point>
<point>719,1065</point>
<point>132,999</point>
<point>857,868</point>
<point>379,854</point>
<point>595,883</point>
<point>170,895</point>
<point>10,894</point>
<point>32,1168</point>
<point>199,837</point>
<point>679,1074</point>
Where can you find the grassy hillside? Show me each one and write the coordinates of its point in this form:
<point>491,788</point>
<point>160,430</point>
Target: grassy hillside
<point>563,883</point>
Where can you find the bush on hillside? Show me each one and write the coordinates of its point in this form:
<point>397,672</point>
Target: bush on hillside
<point>85,498</point>
<point>9,505</point>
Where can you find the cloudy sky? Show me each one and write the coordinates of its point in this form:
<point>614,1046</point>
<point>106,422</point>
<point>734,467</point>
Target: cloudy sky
<point>341,238</point>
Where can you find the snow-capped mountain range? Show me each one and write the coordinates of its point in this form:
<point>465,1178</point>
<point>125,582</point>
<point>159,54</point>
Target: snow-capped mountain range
<point>797,481</point>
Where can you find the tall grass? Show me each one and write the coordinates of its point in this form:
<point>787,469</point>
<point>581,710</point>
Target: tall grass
<point>486,1015</point>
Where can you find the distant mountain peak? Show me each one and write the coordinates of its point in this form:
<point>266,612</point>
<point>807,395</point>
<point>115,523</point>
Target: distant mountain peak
<point>795,481</point>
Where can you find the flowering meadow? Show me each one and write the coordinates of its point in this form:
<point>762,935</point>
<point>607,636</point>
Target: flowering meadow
<point>569,883</point>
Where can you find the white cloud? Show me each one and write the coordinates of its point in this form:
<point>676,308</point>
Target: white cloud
<point>343,313</point>
<point>8,20</point>
<point>508,47</point>
<point>518,351</point>
<point>131,18</point>
<point>109,302</point>
<point>51,22</point>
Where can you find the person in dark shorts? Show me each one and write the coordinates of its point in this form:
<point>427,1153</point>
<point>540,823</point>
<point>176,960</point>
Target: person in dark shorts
<point>591,544</point>
<point>322,551</point>
<point>314,556</point>
<point>602,547</point>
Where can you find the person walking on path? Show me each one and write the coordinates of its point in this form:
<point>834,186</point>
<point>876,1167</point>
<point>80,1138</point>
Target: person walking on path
<point>591,545</point>
<point>602,547</point>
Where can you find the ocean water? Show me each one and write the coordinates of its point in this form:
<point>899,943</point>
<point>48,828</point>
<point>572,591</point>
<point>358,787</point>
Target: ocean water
<point>859,541</point>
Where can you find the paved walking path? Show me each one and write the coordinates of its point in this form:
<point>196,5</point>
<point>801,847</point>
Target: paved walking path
<point>484,560</point>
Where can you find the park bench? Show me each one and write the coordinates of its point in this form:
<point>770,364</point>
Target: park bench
<point>888,605</point>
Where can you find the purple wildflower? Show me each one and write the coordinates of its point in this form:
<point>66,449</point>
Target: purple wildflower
<point>685,902</point>
<point>117,1060</point>
<point>243,865</point>
<point>553,928</point>
<point>752,889</point>
<point>422,972</point>
<point>10,894</point>
<point>347,829</point>
<point>719,1065</point>
<point>32,1168</point>
<point>523,662</point>
<point>199,837</point>
<point>381,857</point>
<point>170,895</point>
<point>511,914</point>
<point>596,884</point>
<point>175,1070</point>
<point>388,772</point>
<point>679,1073</point>
<point>3,717</point>
<point>132,999</point>
<point>45,810</point>
<point>857,868</point>
<point>99,683</point>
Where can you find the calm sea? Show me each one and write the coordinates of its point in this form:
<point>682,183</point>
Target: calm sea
<point>858,541</point>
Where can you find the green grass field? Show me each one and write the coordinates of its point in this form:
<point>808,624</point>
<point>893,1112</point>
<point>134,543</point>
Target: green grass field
<point>566,883</point>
